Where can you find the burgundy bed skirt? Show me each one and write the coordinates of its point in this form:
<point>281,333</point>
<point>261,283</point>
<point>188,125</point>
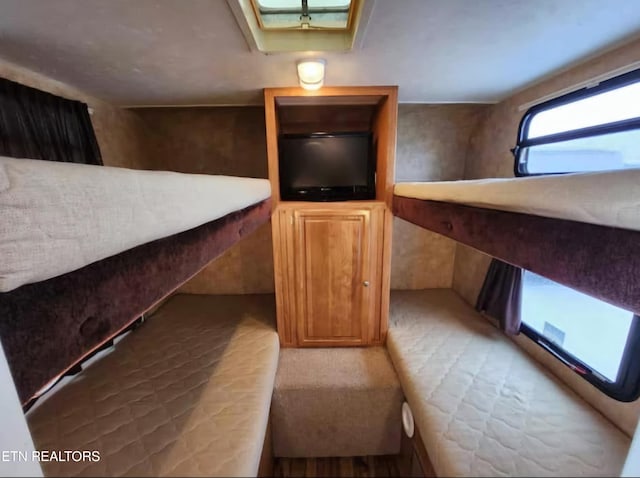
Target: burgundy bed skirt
<point>48,327</point>
<point>601,261</point>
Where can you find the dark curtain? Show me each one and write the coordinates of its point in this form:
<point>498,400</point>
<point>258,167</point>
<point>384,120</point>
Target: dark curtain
<point>501,295</point>
<point>39,125</point>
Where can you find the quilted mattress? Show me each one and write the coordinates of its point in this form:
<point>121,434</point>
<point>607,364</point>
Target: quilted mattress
<point>610,198</point>
<point>485,408</point>
<point>186,394</point>
<point>59,217</point>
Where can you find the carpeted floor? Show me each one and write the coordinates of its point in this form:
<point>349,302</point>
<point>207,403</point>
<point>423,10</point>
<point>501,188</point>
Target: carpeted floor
<point>373,466</point>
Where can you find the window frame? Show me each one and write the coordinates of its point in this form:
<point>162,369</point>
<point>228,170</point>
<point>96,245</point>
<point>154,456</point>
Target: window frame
<point>626,388</point>
<point>523,142</point>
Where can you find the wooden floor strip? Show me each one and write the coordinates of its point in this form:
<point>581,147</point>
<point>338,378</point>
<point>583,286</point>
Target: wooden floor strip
<point>357,466</point>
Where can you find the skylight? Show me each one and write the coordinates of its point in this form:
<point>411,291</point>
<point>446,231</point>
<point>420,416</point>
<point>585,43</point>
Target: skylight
<point>303,14</point>
<point>273,26</point>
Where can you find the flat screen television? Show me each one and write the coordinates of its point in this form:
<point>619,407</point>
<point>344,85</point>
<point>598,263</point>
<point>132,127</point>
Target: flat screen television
<point>327,167</point>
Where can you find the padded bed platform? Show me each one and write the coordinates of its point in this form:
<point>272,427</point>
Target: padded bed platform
<point>59,217</point>
<point>581,230</point>
<point>485,408</point>
<point>610,198</point>
<point>186,394</point>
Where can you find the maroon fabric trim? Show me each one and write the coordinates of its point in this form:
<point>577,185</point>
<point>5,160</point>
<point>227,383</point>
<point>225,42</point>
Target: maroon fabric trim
<point>601,261</point>
<point>48,327</point>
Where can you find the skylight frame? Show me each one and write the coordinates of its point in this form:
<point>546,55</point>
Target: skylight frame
<point>353,7</point>
<point>309,40</point>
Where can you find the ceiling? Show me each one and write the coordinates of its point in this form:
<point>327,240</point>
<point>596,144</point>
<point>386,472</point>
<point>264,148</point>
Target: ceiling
<point>170,52</point>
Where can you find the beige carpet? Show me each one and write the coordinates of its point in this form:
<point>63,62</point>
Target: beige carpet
<point>336,402</point>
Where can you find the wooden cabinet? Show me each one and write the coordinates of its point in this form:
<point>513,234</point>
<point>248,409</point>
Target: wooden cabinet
<point>335,254</point>
<point>329,273</point>
<point>332,264</point>
<point>332,260</point>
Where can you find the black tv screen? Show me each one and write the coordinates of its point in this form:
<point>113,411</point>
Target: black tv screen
<point>326,167</point>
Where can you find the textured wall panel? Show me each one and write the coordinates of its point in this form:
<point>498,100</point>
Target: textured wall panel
<point>229,141</point>
<point>432,146</point>
<point>421,259</point>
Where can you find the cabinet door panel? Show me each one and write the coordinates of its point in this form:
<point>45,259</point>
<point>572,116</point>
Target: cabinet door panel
<point>332,255</point>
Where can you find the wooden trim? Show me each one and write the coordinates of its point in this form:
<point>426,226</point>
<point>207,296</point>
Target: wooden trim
<point>423,455</point>
<point>358,101</point>
<point>392,127</point>
<point>385,134</point>
<point>375,254</point>
<point>282,229</point>
<point>414,460</point>
<point>329,206</point>
<point>338,91</point>
<point>385,287</point>
<point>280,278</point>
<point>598,260</point>
<point>289,238</point>
<point>271,123</point>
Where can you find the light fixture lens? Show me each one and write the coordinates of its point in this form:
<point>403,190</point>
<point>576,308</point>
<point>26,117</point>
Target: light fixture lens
<point>311,73</point>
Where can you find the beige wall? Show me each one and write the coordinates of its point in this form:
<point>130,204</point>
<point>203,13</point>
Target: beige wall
<point>432,145</point>
<point>489,156</point>
<point>208,140</point>
<point>220,140</point>
<point>470,269</point>
<point>120,133</point>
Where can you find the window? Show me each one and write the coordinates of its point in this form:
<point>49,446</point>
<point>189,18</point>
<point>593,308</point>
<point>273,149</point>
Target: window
<point>596,128</point>
<point>592,129</point>
<point>595,339</point>
<point>303,14</point>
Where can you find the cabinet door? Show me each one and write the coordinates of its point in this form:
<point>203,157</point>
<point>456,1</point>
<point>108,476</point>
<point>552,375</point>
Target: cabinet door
<point>333,267</point>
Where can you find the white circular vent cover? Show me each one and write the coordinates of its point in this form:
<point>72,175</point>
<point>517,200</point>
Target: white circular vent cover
<point>407,419</point>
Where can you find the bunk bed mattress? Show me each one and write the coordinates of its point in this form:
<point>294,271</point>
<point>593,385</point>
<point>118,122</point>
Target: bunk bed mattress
<point>59,217</point>
<point>609,198</point>
<point>485,408</point>
<point>187,394</point>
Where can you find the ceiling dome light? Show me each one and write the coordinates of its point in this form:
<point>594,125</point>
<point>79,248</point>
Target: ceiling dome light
<point>311,73</point>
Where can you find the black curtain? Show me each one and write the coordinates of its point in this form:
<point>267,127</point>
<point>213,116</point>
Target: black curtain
<point>501,295</point>
<point>39,125</point>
